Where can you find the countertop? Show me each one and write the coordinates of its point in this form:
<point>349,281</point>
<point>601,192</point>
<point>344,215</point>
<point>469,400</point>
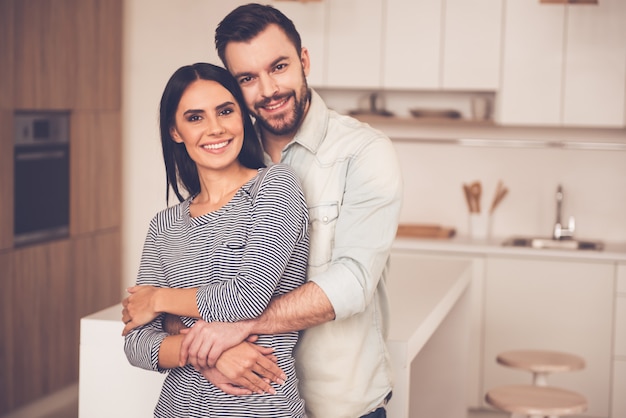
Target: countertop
<point>612,252</point>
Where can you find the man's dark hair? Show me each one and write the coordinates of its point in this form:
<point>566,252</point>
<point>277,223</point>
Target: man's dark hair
<point>247,21</point>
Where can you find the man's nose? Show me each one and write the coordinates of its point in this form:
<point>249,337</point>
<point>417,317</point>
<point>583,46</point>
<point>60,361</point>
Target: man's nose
<point>268,85</point>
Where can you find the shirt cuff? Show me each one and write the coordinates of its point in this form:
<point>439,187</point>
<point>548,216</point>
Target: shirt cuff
<point>343,291</point>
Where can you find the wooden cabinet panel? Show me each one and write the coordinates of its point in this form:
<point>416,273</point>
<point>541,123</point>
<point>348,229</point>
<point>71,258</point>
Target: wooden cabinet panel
<point>97,270</point>
<point>44,355</point>
<point>555,305</point>
<point>6,179</point>
<point>45,60</point>
<point>8,327</point>
<point>6,52</point>
<point>95,171</point>
<point>72,59</point>
<point>98,54</point>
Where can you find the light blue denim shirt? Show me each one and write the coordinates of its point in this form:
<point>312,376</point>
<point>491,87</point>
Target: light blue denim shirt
<point>353,186</point>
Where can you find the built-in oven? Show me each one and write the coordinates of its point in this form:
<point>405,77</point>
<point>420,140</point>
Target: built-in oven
<point>41,176</point>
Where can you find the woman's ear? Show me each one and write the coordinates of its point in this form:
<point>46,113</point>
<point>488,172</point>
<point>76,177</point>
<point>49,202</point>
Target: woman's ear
<point>174,135</point>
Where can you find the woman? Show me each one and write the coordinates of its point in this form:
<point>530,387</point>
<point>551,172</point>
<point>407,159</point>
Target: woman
<point>237,238</point>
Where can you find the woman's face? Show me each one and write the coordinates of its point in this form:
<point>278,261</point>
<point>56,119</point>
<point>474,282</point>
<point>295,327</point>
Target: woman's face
<point>208,121</point>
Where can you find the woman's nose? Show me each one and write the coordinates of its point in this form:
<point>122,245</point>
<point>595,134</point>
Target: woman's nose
<point>214,127</point>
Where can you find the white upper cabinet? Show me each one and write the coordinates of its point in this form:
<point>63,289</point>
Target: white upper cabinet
<point>595,65</point>
<point>354,43</point>
<point>471,45</point>
<point>310,20</point>
<point>437,44</point>
<point>532,64</point>
<point>567,67</point>
<point>412,52</point>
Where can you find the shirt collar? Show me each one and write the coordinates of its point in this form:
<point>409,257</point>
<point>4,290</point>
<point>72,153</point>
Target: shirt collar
<point>311,133</point>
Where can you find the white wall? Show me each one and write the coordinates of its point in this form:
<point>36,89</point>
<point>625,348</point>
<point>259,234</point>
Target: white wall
<point>162,35</point>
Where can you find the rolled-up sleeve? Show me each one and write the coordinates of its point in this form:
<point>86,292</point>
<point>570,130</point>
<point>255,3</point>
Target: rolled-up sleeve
<point>365,228</point>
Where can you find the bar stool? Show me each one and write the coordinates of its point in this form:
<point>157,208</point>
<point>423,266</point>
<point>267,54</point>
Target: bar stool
<point>536,401</point>
<point>541,363</point>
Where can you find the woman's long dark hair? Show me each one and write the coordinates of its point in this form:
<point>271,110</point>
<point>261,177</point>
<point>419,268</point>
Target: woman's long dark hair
<point>180,169</point>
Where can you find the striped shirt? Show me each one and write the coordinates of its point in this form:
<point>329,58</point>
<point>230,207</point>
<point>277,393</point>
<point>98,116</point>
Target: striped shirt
<point>239,256</point>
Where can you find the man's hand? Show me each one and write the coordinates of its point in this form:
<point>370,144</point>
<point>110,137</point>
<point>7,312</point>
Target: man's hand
<point>205,342</point>
<point>138,307</point>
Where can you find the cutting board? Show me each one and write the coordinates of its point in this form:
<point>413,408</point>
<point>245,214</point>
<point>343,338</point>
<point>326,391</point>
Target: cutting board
<point>425,231</point>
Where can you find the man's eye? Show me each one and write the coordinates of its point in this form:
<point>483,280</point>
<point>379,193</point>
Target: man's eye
<point>244,80</point>
<point>280,67</point>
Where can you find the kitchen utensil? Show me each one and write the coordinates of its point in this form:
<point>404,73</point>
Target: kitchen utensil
<point>475,193</point>
<point>501,192</point>
<point>425,231</point>
<point>436,113</point>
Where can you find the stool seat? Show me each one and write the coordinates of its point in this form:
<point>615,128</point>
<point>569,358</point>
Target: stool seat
<point>541,361</point>
<point>536,400</point>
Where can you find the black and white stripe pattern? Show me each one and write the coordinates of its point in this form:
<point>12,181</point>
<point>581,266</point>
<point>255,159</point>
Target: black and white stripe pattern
<point>240,256</point>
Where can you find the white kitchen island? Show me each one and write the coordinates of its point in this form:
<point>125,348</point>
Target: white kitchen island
<point>428,341</point>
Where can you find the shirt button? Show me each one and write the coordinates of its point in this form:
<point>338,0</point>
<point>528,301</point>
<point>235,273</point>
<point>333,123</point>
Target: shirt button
<point>325,219</point>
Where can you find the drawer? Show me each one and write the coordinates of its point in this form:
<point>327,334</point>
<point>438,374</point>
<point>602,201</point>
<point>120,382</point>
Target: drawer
<point>621,278</point>
<point>619,388</point>
<point>620,326</point>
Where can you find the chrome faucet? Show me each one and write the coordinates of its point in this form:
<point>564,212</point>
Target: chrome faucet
<point>560,232</point>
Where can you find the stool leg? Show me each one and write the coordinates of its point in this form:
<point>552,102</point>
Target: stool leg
<point>540,379</point>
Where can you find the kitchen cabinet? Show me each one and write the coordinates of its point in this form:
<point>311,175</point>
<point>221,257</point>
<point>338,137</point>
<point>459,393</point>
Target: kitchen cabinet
<point>95,144</point>
<point>451,45</point>
<point>73,60</point>
<point>59,55</point>
<point>556,71</point>
<point>310,20</point>
<point>34,281</point>
<point>6,179</point>
<point>551,304</point>
<point>354,43</point>
<point>474,388</point>
<point>618,407</point>
<point>471,45</point>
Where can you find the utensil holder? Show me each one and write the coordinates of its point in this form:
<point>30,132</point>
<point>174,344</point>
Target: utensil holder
<point>479,226</point>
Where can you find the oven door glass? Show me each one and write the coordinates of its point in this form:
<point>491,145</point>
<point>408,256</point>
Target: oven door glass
<point>41,193</point>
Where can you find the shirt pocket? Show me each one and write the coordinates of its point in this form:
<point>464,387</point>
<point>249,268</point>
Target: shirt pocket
<point>322,224</point>
<point>228,255</point>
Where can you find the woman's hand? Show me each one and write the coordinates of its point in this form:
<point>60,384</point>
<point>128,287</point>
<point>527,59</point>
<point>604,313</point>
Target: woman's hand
<point>223,383</point>
<point>139,307</point>
<point>252,367</point>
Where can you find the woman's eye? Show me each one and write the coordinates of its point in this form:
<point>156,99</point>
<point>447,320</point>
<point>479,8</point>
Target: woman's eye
<point>193,118</point>
<point>226,111</point>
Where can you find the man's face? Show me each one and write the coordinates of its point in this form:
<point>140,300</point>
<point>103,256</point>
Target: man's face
<point>272,76</point>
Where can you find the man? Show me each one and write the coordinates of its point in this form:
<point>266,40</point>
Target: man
<point>352,182</point>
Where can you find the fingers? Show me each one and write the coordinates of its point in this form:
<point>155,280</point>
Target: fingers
<point>233,390</point>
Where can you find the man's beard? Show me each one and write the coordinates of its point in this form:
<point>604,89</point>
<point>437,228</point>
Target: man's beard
<point>288,123</point>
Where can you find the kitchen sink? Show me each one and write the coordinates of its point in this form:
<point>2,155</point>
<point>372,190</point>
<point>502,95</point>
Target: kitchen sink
<point>551,243</point>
